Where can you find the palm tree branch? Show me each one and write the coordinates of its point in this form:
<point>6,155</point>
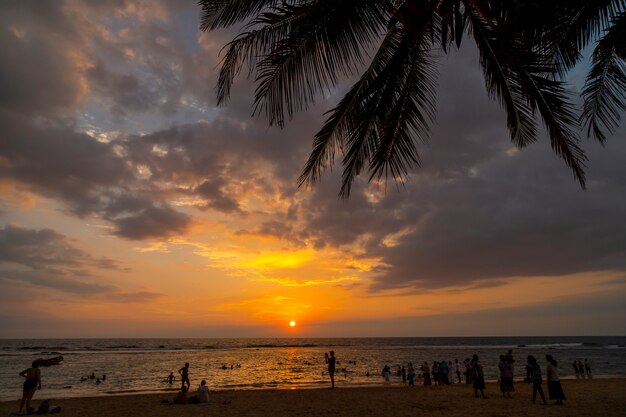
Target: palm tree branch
<point>410,116</point>
<point>504,87</point>
<point>550,98</point>
<point>347,114</point>
<point>381,132</point>
<point>224,13</point>
<point>310,59</point>
<point>603,93</point>
<point>266,30</point>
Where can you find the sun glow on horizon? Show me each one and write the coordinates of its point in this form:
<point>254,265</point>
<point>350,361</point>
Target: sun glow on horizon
<point>292,323</point>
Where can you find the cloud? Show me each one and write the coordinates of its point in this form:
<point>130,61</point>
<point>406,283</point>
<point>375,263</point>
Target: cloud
<point>479,210</point>
<point>137,297</point>
<point>128,93</point>
<point>160,157</point>
<point>41,67</point>
<point>41,249</point>
<point>598,314</point>
<point>48,259</point>
<point>45,260</point>
<point>213,192</point>
<point>59,162</point>
<point>152,222</point>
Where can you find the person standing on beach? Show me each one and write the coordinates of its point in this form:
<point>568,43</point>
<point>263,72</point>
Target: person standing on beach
<point>581,369</point>
<point>32,383</point>
<point>331,360</point>
<point>506,377</point>
<point>450,373</point>
<point>509,359</point>
<point>184,375</point>
<point>555,390</point>
<point>435,372</point>
<point>468,370</point>
<point>411,375</point>
<point>533,374</point>
<point>587,369</point>
<point>403,372</point>
<point>478,377</point>
<point>576,370</point>
<point>443,373</point>
<point>457,368</point>
<point>426,374</point>
<point>386,372</point>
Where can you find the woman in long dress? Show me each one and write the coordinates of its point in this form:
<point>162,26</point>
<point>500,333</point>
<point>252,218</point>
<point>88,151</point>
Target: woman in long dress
<point>555,390</point>
<point>478,377</point>
<point>506,377</point>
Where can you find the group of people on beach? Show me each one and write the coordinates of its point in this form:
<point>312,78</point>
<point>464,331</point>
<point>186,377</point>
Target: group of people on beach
<point>581,369</point>
<point>443,373</point>
<point>182,397</point>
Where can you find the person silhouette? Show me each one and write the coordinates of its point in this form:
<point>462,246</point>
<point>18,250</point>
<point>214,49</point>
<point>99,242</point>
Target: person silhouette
<point>31,384</point>
<point>184,374</point>
<point>331,360</point>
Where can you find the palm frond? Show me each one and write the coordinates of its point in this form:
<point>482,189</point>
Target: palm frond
<point>453,20</point>
<point>604,92</point>
<point>502,84</point>
<point>224,13</point>
<point>353,119</point>
<point>376,121</point>
<point>553,101</point>
<point>399,108</point>
<point>564,28</point>
<point>297,49</point>
<point>529,72</point>
<point>331,42</point>
<point>408,118</point>
<point>258,39</point>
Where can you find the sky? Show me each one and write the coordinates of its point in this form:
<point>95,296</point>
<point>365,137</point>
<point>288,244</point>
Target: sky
<point>132,206</point>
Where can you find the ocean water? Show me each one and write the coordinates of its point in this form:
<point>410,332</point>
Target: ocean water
<point>142,365</point>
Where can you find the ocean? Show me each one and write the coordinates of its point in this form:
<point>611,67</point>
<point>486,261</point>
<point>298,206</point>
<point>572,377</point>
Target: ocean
<point>142,365</point>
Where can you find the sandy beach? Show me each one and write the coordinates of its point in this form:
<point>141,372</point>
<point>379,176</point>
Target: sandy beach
<point>599,397</point>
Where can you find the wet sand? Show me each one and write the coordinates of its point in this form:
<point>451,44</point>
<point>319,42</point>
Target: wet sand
<point>598,397</point>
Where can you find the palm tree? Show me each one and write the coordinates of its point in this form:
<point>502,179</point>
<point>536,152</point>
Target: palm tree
<point>298,49</point>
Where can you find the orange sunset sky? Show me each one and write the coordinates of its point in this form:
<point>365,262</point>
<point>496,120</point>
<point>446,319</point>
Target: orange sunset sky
<point>132,206</point>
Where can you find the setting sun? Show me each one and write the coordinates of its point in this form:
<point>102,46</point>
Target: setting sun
<point>292,323</point>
